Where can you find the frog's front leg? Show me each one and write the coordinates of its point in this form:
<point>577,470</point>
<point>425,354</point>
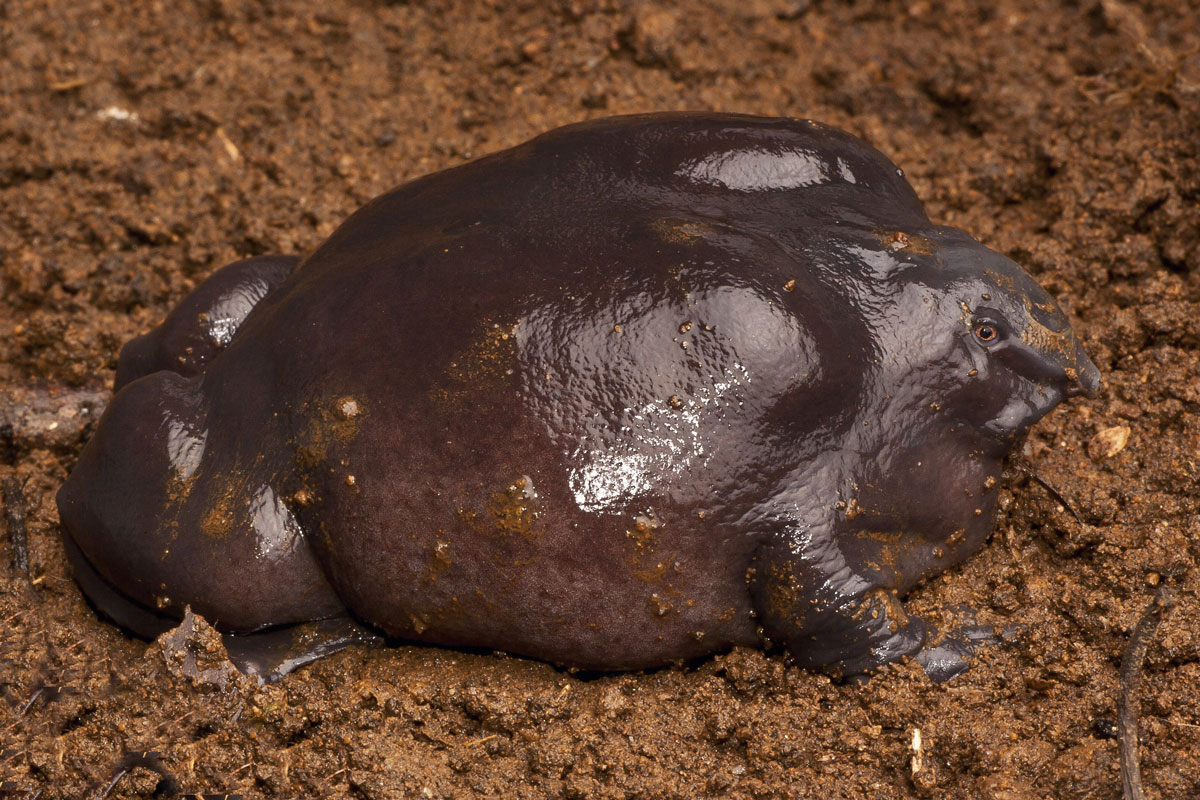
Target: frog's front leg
<point>828,614</point>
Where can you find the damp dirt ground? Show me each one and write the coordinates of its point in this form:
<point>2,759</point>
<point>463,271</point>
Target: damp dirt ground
<point>143,145</point>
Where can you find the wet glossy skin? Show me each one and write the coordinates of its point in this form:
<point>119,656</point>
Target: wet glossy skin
<point>615,397</point>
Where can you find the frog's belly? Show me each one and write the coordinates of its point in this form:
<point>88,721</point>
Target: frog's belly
<point>541,577</point>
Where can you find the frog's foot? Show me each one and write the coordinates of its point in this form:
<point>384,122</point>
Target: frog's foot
<point>267,655</point>
<point>874,631</point>
<point>948,654</point>
<point>829,616</point>
<point>947,659</point>
<point>204,322</point>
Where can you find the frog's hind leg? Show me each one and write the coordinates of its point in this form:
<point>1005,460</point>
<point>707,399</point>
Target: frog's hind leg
<point>268,655</point>
<point>166,509</point>
<point>205,321</point>
<point>112,603</point>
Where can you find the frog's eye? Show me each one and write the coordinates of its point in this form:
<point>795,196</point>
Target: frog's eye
<point>987,332</point>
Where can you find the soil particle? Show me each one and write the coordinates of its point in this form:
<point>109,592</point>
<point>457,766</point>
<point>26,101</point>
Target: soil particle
<point>144,145</point>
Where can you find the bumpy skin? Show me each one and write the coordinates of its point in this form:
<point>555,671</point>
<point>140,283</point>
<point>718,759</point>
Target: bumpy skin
<point>635,391</point>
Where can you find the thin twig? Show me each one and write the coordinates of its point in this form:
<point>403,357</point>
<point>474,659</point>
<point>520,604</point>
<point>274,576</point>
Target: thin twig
<point>29,703</point>
<point>8,444</point>
<point>484,740</point>
<point>14,510</point>
<point>149,760</point>
<point>1131,677</point>
<point>175,721</point>
<point>1054,493</point>
<point>116,778</point>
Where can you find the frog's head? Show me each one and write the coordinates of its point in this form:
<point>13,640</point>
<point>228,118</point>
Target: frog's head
<point>986,348</point>
<point>1016,348</point>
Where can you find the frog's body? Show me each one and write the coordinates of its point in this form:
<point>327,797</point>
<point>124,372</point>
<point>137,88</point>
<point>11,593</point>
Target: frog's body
<point>615,397</point>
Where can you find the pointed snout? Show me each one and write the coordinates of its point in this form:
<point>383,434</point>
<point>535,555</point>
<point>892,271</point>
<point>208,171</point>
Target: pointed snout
<point>1083,378</point>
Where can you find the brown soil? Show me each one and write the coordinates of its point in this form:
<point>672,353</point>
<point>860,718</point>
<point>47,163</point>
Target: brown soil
<point>143,145</point>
